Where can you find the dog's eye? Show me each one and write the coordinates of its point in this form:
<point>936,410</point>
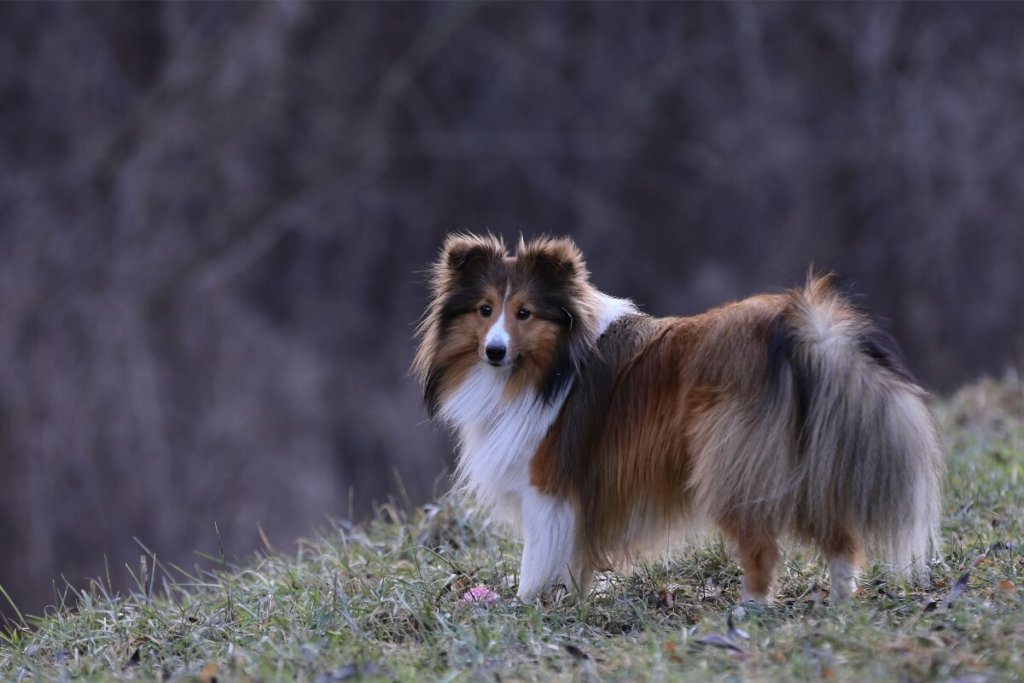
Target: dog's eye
<point>522,314</point>
<point>485,311</point>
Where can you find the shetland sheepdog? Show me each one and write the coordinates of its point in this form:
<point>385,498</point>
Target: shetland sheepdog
<point>599,432</point>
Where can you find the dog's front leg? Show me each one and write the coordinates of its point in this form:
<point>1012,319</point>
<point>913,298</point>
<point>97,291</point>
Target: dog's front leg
<point>549,544</point>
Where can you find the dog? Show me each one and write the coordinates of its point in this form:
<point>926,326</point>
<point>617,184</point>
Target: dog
<point>599,432</point>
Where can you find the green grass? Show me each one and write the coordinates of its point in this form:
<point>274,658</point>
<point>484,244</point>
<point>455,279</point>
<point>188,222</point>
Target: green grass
<point>382,601</point>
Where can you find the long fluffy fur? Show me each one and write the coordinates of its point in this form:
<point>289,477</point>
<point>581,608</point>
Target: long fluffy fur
<point>604,430</point>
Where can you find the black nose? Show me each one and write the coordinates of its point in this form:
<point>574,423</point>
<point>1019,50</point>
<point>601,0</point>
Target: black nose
<point>495,353</point>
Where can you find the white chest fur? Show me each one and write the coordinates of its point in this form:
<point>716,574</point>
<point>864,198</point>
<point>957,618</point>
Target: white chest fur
<point>497,438</point>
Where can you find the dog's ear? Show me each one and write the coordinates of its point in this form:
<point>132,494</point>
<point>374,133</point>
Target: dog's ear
<point>555,260</point>
<point>463,252</point>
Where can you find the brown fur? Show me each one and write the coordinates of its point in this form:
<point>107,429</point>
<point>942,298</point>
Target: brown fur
<point>779,415</point>
<point>642,446</point>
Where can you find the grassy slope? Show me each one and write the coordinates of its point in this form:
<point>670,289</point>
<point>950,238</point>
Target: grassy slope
<point>382,600</point>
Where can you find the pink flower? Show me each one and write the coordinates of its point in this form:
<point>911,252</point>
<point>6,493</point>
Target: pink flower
<point>480,594</point>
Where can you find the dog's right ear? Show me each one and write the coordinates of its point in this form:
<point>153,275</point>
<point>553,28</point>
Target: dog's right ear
<point>462,251</point>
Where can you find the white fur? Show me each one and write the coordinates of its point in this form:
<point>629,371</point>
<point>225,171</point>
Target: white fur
<point>549,566</point>
<point>497,334</point>
<point>497,439</point>
<point>610,309</point>
<point>842,572</point>
<point>921,539</point>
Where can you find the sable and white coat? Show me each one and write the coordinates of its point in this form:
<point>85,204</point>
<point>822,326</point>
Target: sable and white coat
<point>596,430</point>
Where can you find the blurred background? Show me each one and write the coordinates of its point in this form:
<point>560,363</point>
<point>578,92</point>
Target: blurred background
<point>214,220</point>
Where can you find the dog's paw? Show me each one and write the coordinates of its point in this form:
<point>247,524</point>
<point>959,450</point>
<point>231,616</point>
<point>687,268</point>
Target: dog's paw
<point>554,594</point>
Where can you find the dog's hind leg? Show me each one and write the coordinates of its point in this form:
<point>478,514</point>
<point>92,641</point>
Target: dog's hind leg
<point>844,558</point>
<point>758,555</point>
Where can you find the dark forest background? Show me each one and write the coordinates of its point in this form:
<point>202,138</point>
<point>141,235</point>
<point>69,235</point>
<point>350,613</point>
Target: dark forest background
<point>214,220</point>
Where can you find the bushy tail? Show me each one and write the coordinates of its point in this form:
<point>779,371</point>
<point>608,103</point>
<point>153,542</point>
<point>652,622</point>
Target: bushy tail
<point>869,457</point>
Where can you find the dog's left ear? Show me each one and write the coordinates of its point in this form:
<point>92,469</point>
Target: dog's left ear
<point>556,260</point>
